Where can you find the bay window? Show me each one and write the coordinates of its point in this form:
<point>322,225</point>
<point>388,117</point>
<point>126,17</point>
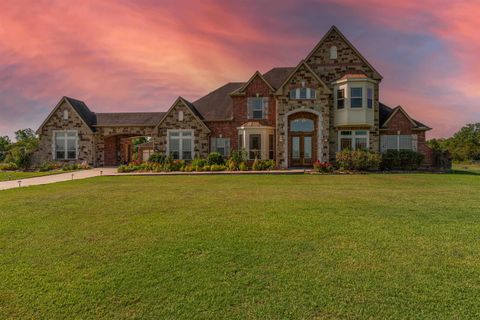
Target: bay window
<point>180,144</point>
<point>356,97</point>
<point>353,139</point>
<point>369,98</point>
<point>255,146</point>
<point>65,145</point>
<point>340,98</point>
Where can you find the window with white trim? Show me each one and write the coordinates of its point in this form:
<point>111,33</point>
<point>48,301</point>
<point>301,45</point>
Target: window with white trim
<point>257,107</point>
<point>303,94</point>
<point>398,142</point>
<point>254,146</point>
<point>220,145</point>
<point>65,145</point>
<point>356,97</point>
<point>369,98</point>
<point>180,144</point>
<point>340,98</point>
<point>353,139</point>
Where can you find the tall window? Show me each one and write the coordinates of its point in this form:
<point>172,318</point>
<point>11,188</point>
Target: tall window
<point>66,145</point>
<point>240,142</point>
<point>369,98</point>
<point>333,52</point>
<point>180,144</point>
<point>257,107</point>
<point>271,144</point>
<point>255,146</point>
<point>221,145</point>
<point>354,140</point>
<point>356,97</point>
<point>340,98</point>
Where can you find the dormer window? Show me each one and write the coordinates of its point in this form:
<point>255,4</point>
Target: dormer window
<point>303,94</point>
<point>356,95</point>
<point>333,52</point>
<point>180,115</point>
<point>65,114</point>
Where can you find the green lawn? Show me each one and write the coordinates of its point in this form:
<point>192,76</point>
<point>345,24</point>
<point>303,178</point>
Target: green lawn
<point>373,246</point>
<point>466,167</point>
<point>18,175</point>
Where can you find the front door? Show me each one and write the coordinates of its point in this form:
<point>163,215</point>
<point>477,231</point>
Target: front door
<point>302,139</point>
<point>301,150</point>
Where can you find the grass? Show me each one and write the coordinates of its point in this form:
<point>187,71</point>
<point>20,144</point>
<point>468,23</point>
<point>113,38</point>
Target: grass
<point>235,247</point>
<point>466,168</point>
<point>18,175</point>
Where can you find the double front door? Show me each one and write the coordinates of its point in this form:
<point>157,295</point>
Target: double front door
<point>301,149</point>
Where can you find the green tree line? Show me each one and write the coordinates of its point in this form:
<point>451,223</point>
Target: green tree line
<point>19,152</point>
<point>463,145</point>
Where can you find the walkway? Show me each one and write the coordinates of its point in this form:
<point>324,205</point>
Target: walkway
<point>58,178</point>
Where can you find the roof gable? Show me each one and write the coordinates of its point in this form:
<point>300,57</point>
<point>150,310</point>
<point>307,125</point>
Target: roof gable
<point>257,74</point>
<point>189,106</point>
<point>387,114</point>
<point>335,30</point>
<point>302,64</point>
<point>277,76</point>
<point>79,107</point>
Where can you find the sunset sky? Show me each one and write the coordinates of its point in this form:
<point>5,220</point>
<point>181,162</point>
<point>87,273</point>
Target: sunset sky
<point>139,55</point>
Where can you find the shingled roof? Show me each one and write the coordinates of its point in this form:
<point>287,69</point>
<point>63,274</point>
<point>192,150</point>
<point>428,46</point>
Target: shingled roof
<point>83,111</point>
<point>276,76</point>
<point>128,119</point>
<point>385,112</point>
<point>217,105</point>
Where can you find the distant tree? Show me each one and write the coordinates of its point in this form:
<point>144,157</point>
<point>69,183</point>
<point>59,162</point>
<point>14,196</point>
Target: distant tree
<point>137,141</point>
<point>5,144</point>
<point>22,150</point>
<point>463,146</point>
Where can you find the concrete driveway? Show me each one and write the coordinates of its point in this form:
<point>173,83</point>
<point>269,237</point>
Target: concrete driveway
<point>95,172</point>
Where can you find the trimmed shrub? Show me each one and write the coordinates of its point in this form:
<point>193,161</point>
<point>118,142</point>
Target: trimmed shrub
<point>8,166</point>
<point>215,158</point>
<point>261,165</point>
<point>217,167</point>
<point>324,167</point>
<point>49,166</point>
<point>198,164</point>
<point>401,160</point>
<point>243,166</point>
<point>358,160</point>
<point>158,157</point>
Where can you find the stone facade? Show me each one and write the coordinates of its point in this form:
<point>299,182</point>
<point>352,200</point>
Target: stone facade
<point>330,70</point>
<point>102,145</point>
<point>56,122</point>
<point>319,106</point>
<point>190,122</point>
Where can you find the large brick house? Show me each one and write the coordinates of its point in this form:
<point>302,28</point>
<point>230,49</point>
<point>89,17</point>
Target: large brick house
<point>294,115</point>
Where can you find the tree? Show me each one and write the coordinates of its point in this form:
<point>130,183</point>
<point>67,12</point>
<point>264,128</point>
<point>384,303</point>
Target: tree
<point>22,150</point>
<point>4,146</point>
<point>463,146</point>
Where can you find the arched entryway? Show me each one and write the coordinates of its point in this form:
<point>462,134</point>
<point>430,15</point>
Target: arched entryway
<point>120,149</point>
<point>302,139</point>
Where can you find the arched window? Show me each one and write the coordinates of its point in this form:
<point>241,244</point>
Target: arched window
<point>333,52</point>
<point>65,114</point>
<point>180,115</point>
<point>302,125</point>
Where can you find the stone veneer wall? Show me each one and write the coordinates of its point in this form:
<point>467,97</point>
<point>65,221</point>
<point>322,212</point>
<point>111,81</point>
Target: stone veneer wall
<point>329,70</point>
<point>107,142</point>
<point>201,132</point>
<point>56,122</point>
<point>285,105</point>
